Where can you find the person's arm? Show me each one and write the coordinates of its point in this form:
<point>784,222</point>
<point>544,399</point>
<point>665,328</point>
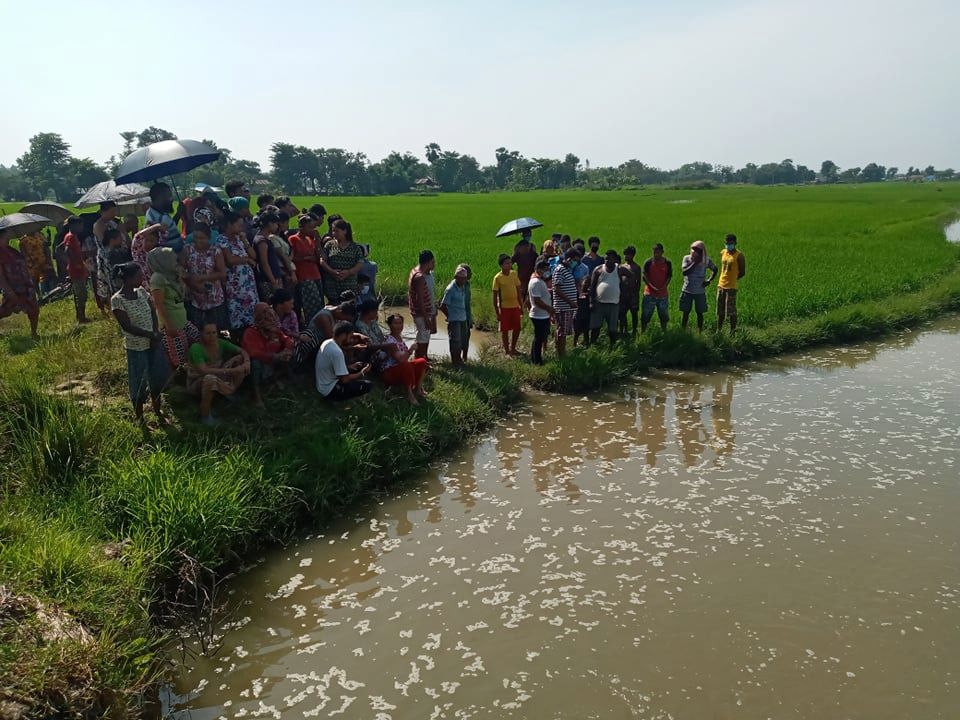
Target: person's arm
<point>591,285</point>
<point>741,266</point>
<point>128,327</point>
<point>713,273</point>
<point>563,296</point>
<point>256,346</point>
<point>687,266</point>
<point>444,307</point>
<point>645,278</point>
<point>669,272</point>
<point>158,297</point>
<point>542,304</point>
<point>496,303</point>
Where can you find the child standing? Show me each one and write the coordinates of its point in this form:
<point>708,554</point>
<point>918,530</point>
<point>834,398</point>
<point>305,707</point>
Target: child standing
<point>506,304</point>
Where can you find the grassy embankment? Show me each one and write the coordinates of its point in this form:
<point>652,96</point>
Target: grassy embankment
<point>101,527</point>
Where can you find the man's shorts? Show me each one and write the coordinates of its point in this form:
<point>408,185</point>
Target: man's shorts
<point>510,319</point>
<point>605,314</point>
<point>651,303</point>
<point>688,302</point>
<point>423,330</point>
<point>727,302</point>
<point>581,320</point>
<point>564,320</point>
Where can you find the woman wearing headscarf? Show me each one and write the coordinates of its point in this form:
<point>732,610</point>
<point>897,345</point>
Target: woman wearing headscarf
<point>168,292</point>
<point>268,347</point>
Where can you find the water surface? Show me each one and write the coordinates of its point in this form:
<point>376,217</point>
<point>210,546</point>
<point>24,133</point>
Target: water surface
<point>775,542</point>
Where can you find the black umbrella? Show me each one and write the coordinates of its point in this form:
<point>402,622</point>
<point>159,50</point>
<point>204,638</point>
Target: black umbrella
<point>168,157</point>
<point>55,211</point>
<point>518,226</point>
<point>22,223</point>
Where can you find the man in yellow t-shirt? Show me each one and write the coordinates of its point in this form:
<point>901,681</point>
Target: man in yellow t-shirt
<point>733,266</point>
<point>506,304</point>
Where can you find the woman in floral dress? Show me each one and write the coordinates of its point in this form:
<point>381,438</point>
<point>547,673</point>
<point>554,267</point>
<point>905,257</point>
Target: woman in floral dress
<point>206,272</point>
<point>241,285</point>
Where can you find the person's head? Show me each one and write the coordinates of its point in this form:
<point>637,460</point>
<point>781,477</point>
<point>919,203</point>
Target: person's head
<point>237,188</point>
<point>698,251</point>
<point>525,235</point>
<point>108,210</point>
<point>209,334</point>
<point>460,277</point>
<point>610,259</point>
<point>283,221</point>
<point>331,219</point>
<point>112,237</point>
<point>264,200</point>
<point>629,253</point>
<point>658,250</point>
<point>150,236</point>
<point>269,222</point>
<point>201,235</point>
<point>129,274</point>
<point>131,223</point>
<point>75,225</point>
<point>342,231</point>
<point>395,323</point>
<point>565,243</point>
<point>319,210</point>
<point>505,263</point>
<point>427,261</point>
<point>282,301</point>
<point>594,243</point>
<point>161,197</point>
<point>231,224</point>
<point>240,205</point>
<point>283,203</point>
<point>572,257</point>
<point>342,332</point>
<point>368,310</point>
<point>346,311</point>
<point>542,267</point>
<point>731,242</point>
<point>305,223</point>
<point>549,248</point>
<point>468,269</point>
<point>266,319</point>
<point>556,237</point>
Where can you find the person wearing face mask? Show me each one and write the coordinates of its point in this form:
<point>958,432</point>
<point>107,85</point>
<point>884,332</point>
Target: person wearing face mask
<point>693,296</point>
<point>733,266</point>
<point>565,298</point>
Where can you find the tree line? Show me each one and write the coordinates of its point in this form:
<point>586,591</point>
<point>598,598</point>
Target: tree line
<point>47,169</point>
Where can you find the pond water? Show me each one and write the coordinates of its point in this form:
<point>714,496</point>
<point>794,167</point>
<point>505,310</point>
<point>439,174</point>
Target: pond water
<point>774,542</point>
<point>952,231</point>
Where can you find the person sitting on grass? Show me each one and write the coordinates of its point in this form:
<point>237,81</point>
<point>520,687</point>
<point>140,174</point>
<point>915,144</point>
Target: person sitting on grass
<point>19,290</point>
<point>282,302</point>
<point>506,304</point>
<point>454,308</point>
<point>216,366</point>
<point>147,367</point>
<point>541,311</point>
<point>368,326</point>
<point>334,380</point>
<point>269,348</point>
<point>400,370</point>
<point>693,296</point>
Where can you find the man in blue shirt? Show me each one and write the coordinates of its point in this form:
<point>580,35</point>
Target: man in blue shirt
<point>454,307</point>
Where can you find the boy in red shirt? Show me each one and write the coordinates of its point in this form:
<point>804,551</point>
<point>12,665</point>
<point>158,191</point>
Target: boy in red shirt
<point>77,268</point>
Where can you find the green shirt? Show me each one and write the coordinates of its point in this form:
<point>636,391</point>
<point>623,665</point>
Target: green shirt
<point>172,301</point>
<point>198,354</point>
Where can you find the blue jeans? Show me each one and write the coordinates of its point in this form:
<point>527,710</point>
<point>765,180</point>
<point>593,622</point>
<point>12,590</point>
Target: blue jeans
<point>147,368</point>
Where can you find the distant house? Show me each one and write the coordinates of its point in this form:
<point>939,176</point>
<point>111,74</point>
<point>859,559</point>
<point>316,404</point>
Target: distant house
<point>425,184</point>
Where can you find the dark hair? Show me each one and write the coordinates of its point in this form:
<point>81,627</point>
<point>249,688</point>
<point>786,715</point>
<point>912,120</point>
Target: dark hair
<point>265,218</point>
<point>629,250</point>
<point>348,307</point>
<point>233,186</point>
<point>204,229</point>
<point>731,238</point>
<point>73,221</point>
<point>342,328</point>
<point>107,204</point>
<point>110,233</point>
<point>264,200</point>
<point>565,238</point>
<point>542,264</point>
<point>593,240</point>
<point>229,218</point>
<point>318,209</point>
<point>304,219</point>
<point>331,219</point>
<point>392,317</point>
<point>342,224</point>
<point>572,254</point>
<point>282,201</point>
<point>158,188</point>
<point>502,259</point>
<point>125,271</point>
<point>425,256</point>
<point>282,217</point>
<point>280,296</point>
<point>368,305</point>
<point>658,246</point>
<point>555,236</point>
<point>612,253</point>
<point>347,296</point>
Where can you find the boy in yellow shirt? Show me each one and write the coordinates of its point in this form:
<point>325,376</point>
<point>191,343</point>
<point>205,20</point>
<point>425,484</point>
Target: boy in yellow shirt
<point>733,266</point>
<point>506,304</point>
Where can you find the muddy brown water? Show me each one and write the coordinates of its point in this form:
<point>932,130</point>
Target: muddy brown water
<point>775,542</point>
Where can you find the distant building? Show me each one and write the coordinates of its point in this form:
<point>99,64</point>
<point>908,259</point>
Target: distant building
<point>426,183</point>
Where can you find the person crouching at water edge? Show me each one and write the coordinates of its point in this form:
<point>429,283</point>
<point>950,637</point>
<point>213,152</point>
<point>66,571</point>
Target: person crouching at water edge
<point>733,266</point>
<point>147,366</point>
<point>693,296</point>
<point>506,304</point>
<point>334,380</point>
<point>399,369</point>
<point>453,305</point>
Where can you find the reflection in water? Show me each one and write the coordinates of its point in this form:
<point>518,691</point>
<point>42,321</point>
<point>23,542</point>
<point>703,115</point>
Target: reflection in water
<point>664,552</point>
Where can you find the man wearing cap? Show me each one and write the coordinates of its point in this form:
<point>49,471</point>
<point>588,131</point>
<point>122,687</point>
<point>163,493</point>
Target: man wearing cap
<point>454,307</point>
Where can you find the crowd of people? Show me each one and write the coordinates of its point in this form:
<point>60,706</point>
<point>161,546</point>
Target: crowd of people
<point>224,297</point>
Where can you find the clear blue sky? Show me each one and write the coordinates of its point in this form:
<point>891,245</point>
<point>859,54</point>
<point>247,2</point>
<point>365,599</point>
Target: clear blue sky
<point>728,82</point>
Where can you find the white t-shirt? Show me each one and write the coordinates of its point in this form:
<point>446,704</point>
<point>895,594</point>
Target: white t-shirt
<point>329,366</point>
<point>537,288</point>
